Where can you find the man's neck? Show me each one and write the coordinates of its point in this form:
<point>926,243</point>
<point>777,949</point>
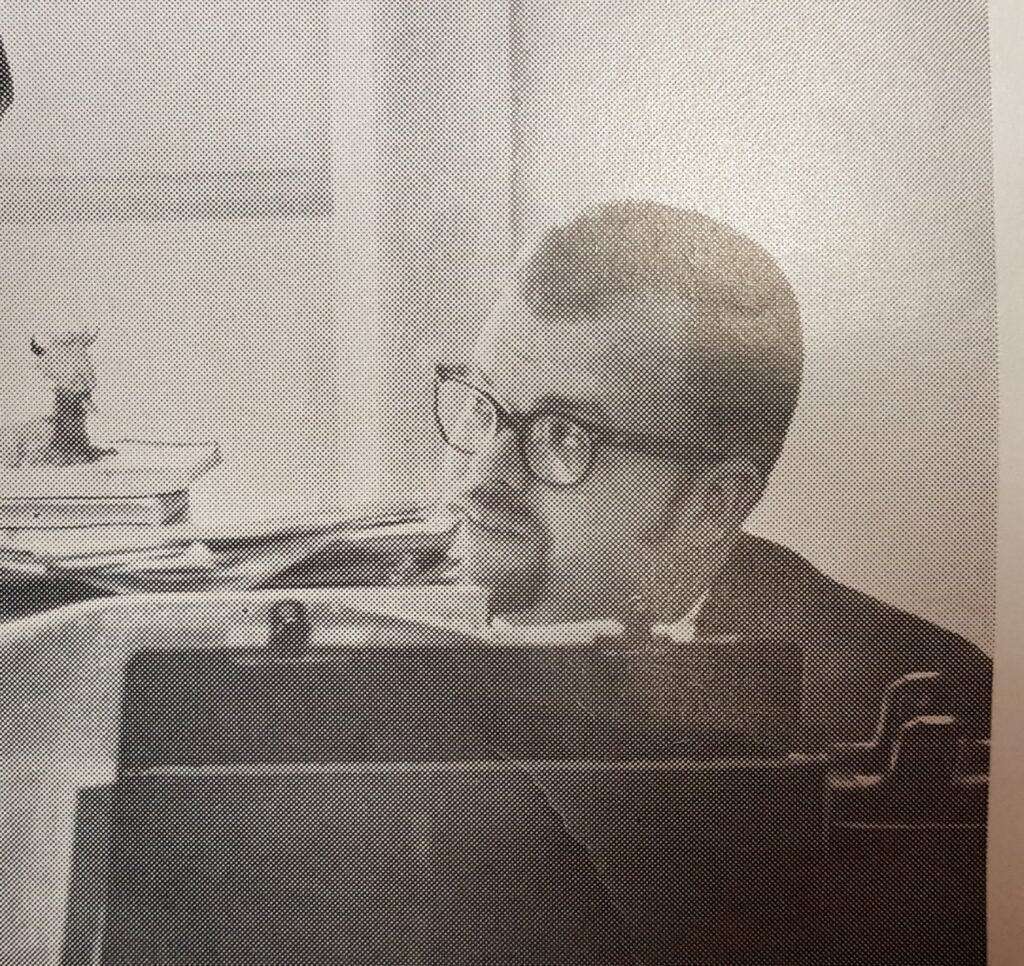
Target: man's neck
<point>677,592</point>
<point>683,581</point>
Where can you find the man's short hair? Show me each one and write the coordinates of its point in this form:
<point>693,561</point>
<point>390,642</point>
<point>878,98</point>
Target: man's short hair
<point>724,296</point>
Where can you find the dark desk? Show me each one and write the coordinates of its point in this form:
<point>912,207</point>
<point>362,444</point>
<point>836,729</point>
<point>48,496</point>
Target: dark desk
<point>62,672</point>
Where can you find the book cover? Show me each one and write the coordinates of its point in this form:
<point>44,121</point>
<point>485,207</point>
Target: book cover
<point>98,511</point>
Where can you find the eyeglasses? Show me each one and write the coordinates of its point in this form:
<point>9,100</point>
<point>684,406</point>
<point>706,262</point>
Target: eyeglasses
<point>558,449</point>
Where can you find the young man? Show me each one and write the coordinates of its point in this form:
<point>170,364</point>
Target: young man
<point>625,406</point>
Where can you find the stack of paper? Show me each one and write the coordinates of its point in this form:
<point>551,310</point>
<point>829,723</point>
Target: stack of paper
<point>191,557</point>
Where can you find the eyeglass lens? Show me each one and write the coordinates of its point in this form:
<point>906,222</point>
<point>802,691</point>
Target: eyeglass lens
<point>467,418</point>
<point>557,449</point>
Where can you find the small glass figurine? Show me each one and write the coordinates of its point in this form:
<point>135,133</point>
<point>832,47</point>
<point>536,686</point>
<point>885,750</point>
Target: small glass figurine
<point>62,438</point>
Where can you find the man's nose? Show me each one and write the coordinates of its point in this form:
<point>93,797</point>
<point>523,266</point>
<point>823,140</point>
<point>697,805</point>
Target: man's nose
<point>500,462</point>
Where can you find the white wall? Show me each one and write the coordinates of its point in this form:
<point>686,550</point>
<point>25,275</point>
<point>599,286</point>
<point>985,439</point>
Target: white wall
<point>166,171</point>
<point>853,140</point>
<point>443,204</point>
<point>171,103</point>
<point>212,330</point>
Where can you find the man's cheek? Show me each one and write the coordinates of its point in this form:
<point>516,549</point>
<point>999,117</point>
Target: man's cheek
<point>584,542</point>
<point>455,470</point>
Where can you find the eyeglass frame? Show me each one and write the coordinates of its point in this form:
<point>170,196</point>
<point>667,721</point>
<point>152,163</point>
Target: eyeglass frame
<point>599,435</point>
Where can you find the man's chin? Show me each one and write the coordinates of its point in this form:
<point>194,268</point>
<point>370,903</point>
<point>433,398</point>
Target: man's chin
<point>509,566</point>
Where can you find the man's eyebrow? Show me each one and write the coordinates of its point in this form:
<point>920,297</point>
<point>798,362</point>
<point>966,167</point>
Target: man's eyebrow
<point>586,409</point>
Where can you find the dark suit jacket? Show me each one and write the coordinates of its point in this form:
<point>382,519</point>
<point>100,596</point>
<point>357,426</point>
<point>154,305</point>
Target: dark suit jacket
<point>853,644</point>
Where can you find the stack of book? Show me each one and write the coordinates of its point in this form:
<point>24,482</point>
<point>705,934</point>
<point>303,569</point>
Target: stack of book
<point>136,487</point>
<point>137,484</point>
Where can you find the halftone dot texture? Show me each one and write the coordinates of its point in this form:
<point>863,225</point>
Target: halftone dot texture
<point>853,142</point>
<point>275,213</point>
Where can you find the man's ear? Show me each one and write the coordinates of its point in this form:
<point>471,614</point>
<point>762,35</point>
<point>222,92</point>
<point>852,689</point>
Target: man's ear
<point>715,501</point>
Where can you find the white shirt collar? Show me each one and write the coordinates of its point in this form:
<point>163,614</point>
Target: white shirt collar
<point>684,629</point>
<point>680,632</point>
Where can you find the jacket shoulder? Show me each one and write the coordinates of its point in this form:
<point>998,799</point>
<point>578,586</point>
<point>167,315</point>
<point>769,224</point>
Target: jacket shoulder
<point>853,644</point>
<point>794,589</point>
